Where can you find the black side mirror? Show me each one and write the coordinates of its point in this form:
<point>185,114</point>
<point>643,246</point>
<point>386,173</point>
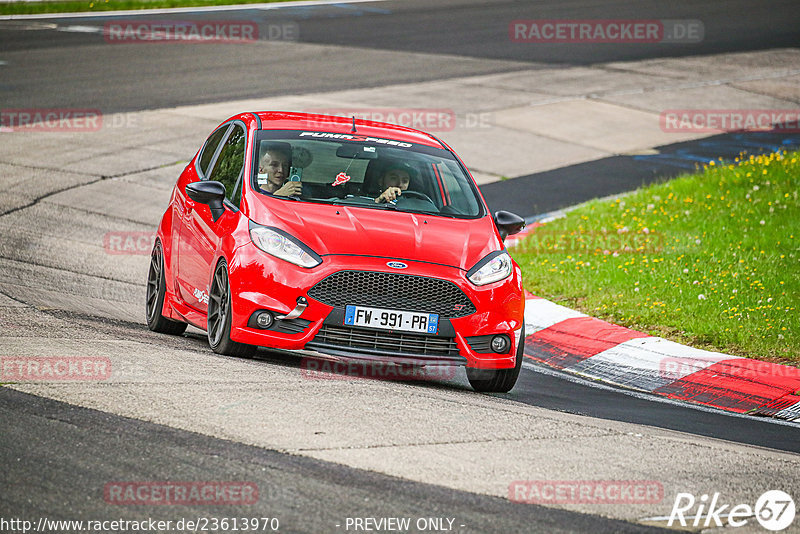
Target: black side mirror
<point>210,193</point>
<point>508,223</point>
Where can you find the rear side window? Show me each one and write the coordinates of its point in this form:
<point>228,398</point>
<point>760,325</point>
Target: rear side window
<point>211,147</point>
<point>230,164</point>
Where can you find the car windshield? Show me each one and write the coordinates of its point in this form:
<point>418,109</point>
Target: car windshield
<point>356,170</point>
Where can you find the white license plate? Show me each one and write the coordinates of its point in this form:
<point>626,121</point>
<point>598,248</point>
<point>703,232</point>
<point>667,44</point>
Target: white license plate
<point>426,323</point>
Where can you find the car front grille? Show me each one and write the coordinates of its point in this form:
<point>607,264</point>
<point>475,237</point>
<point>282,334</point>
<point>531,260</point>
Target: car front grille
<point>384,341</point>
<point>393,291</point>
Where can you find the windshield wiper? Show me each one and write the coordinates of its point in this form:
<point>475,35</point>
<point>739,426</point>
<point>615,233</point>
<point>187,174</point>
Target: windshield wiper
<point>361,202</point>
<point>284,198</point>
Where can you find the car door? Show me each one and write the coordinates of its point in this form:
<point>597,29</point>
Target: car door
<point>200,235</point>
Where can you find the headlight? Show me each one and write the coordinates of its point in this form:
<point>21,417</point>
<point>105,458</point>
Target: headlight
<point>494,267</point>
<point>281,245</point>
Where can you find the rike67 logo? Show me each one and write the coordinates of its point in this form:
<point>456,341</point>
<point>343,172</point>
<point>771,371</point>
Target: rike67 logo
<point>774,510</point>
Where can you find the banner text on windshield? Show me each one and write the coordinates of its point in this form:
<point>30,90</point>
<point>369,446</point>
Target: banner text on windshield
<point>362,138</point>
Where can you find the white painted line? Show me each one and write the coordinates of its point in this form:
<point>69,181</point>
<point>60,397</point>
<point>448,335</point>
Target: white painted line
<point>81,29</point>
<point>647,363</point>
<point>552,216</point>
<point>541,314</point>
<point>29,26</point>
<point>559,214</point>
<point>665,519</point>
<point>208,9</point>
<point>566,375</point>
<point>790,413</point>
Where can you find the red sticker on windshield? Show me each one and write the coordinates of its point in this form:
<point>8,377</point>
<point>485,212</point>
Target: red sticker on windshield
<point>340,179</point>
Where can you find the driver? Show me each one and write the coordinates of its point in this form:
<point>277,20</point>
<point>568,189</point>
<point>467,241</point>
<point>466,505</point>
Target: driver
<point>273,170</point>
<point>394,180</point>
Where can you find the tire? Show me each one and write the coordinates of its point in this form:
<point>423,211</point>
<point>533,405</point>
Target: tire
<point>497,380</point>
<point>219,317</point>
<point>154,301</point>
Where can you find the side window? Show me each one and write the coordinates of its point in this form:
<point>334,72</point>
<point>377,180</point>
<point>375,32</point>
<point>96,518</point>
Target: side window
<point>211,147</point>
<point>456,192</point>
<point>230,163</point>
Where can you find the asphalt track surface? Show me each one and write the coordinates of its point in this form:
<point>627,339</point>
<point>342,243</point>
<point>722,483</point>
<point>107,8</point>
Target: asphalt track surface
<point>551,390</point>
<point>544,192</point>
<point>370,45</point>
<point>65,455</point>
<point>459,38</point>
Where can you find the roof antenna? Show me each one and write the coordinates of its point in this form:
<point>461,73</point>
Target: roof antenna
<point>354,125</point>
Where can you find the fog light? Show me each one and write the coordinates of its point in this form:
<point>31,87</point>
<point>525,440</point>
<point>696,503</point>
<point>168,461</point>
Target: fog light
<point>500,344</point>
<point>264,319</point>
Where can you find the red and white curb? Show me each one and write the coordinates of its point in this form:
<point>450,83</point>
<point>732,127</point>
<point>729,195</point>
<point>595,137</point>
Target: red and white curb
<point>585,346</point>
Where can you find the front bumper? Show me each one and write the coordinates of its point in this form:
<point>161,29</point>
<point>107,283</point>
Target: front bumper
<point>261,282</point>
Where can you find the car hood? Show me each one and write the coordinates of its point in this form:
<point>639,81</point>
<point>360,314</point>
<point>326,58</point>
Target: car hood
<point>350,230</point>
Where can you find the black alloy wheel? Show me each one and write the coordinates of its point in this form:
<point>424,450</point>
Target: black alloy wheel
<point>156,287</point>
<point>219,317</point>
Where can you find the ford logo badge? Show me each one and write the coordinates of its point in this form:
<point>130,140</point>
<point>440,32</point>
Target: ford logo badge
<point>396,264</point>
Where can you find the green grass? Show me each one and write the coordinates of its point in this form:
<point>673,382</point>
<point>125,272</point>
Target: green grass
<point>710,259</point>
<point>69,6</point>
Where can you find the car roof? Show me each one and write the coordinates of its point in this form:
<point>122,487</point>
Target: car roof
<point>286,120</point>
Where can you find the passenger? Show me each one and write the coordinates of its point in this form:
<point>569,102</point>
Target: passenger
<point>273,171</point>
<point>394,180</point>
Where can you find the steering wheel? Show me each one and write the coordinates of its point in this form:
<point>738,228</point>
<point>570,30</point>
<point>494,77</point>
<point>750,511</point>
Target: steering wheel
<point>416,194</point>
